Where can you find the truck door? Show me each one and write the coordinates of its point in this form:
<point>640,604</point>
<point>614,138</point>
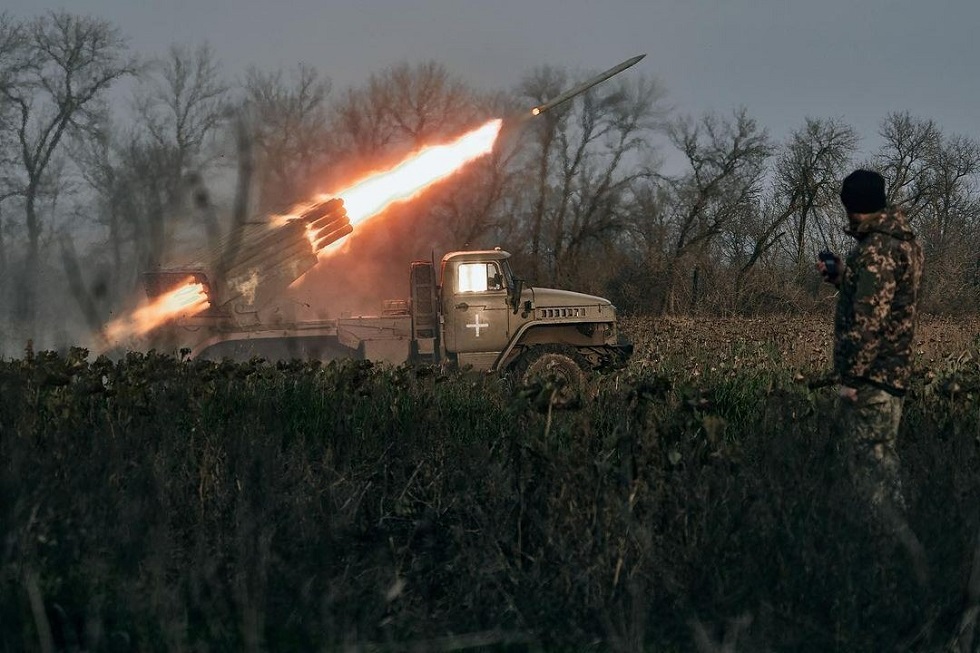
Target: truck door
<point>478,311</point>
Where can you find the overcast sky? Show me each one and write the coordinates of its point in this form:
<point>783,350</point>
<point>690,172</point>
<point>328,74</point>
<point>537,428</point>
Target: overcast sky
<point>784,61</point>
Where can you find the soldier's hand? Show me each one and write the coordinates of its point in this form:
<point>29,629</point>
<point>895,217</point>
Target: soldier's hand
<point>830,273</point>
<point>848,393</point>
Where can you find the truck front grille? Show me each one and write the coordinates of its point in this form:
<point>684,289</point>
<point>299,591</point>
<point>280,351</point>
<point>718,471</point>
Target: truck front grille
<point>567,311</point>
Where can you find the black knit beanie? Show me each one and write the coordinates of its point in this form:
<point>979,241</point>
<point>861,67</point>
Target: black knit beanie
<point>863,191</point>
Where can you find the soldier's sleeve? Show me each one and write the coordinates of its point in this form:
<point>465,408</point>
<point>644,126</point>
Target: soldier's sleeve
<point>875,288</point>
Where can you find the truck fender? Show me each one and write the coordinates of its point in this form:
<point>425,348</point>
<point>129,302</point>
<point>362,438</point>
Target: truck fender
<point>499,361</point>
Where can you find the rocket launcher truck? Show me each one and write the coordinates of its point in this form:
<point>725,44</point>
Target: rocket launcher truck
<point>473,311</point>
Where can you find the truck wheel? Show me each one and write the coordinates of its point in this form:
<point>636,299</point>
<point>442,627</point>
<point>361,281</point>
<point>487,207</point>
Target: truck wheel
<point>558,371</point>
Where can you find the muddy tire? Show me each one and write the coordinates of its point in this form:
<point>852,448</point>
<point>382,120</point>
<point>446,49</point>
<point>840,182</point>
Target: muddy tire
<point>554,373</point>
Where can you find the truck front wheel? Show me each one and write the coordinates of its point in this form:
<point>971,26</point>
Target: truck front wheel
<point>558,370</point>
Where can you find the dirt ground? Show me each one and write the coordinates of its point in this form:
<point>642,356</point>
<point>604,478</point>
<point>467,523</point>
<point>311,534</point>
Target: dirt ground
<point>804,343</point>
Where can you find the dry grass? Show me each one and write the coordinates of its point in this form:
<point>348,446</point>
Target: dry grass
<point>789,343</point>
<point>694,502</point>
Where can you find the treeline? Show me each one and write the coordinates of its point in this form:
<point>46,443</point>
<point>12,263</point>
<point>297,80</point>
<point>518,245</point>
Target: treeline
<point>92,197</point>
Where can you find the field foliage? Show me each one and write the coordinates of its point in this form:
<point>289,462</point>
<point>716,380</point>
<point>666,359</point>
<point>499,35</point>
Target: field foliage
<point>152,503</point>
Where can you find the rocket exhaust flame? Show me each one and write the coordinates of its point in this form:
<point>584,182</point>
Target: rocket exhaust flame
<point>186,299</point>
<point>373,194</point>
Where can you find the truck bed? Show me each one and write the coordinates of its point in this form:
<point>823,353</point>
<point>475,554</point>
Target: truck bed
<point>378,338</point>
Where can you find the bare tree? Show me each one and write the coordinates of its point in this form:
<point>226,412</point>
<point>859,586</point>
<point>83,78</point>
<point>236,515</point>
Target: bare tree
<point>182,104</point>
<point>597,202</point>
<point>291,135</point>
<point>360,120</point>
<point>3,250</point>
<point>727,160</point>
<point>127,175</point>
<point>948,211</point>
<point>13,42</point>
<point>540,86</point>
<point>637,280</point>
<point>774,226</point>
<point>904,159</point>
<point>934,179</point>
<point>807,180</point>
<point>583,162</point>
<point>65,65</point>
<point>94,157</point>
<point>402,108</point>
<point>143,174</point>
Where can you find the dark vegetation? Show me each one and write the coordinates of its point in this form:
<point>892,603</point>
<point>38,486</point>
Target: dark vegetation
<point>150,503</point>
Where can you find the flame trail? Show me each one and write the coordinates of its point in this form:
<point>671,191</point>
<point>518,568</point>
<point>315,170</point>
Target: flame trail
<point>376,192</point>
<point>187,299</point>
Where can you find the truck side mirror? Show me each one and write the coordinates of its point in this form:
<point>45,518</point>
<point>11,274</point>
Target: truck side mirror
<point>515,299</point>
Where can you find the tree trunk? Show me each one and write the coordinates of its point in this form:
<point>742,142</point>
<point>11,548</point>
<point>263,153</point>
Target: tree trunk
<point>115,238</point>
<point>3,253</point>
<point>26,291</point>
<point>667,303</point>
<point>541,206</point>
<point>156,229</point>
<point>4,278</point>
<point>695,289</point>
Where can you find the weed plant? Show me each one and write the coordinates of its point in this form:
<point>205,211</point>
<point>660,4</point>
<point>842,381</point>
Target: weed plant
<point>154,503</point>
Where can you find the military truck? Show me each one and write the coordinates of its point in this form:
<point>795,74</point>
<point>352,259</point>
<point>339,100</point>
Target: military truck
<point>477,314</point>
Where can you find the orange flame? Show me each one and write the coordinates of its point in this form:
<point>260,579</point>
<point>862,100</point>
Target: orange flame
<point>377,191</point>
<point>373,194</point>
<point>188,299</point>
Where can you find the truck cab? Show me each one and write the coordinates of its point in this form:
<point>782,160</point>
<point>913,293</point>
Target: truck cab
<point>490,319</point>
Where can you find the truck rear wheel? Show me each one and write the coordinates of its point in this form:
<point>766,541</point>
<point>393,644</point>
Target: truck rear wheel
<point>556,369</point>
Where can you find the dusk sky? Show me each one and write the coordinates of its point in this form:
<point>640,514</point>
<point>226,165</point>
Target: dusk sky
<point>783,61</point>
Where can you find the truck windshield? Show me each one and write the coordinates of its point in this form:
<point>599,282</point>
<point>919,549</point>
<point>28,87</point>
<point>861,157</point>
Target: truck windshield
<point>479,277</point>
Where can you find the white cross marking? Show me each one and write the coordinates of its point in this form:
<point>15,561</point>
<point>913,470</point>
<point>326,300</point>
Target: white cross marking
<point>477,325</point>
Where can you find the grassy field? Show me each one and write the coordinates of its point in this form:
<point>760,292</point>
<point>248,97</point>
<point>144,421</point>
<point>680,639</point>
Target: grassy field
<point>697,496</point>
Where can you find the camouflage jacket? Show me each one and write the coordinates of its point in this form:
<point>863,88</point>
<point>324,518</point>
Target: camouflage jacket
<point>874,329</point>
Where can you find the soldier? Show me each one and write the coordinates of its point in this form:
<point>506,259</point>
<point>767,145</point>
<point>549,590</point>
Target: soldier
<point>874,331</point>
